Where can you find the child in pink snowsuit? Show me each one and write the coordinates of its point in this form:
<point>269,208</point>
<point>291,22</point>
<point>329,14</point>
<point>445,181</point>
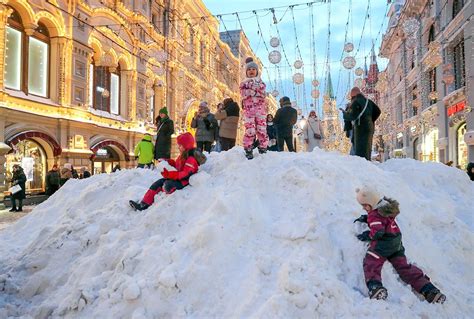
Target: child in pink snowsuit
<point>252,90</point>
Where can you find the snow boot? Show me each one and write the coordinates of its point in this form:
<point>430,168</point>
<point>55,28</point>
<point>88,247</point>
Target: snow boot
<point>432,294</point>
<point>13,210</point>
<point>138,206</point>
<point>249,153</point>
<point>379,293</point>
<point>262,150</point>
<point>376,290</point>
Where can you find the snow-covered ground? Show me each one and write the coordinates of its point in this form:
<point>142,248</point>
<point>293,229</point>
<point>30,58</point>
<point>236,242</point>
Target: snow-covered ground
<point>269,238</point>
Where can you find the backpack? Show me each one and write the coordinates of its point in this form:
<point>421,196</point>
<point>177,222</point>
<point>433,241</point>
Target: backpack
<point>375,112</point>
<point>198,156</point>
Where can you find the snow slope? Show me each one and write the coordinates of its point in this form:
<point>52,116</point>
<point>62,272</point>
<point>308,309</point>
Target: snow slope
<point>267,238</point>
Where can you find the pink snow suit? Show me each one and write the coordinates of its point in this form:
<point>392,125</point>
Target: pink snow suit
<point>253,95</point>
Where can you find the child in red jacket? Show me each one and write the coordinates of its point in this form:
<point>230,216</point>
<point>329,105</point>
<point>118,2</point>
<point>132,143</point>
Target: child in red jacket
<point>186,165</point>
<point>386,244</point>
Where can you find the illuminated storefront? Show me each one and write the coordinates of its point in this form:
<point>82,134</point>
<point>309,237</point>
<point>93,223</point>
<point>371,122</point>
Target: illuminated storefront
<point>429,148</point>
<point>461,150</point>
<point>105,160</point>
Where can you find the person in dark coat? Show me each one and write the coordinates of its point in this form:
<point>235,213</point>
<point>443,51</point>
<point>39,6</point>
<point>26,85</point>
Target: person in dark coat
<point>205,124</point>
<point>116,168</point>
<point>385,244</point>
<point>165,128</point>
<point>348,129</point>
<point>272,134</point>
<point>228,114</point>
<point>470,170</point>
<point>285,119</point>
<point>52,180</point>
<point>18,178</point>
<point>362,113</point>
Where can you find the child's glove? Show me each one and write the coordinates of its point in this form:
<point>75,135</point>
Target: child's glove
<point>364,236</point>
<point>361,219</point>
<point>169,175</point>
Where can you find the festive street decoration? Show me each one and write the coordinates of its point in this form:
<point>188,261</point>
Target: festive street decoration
<point>315,94</point>
<point>298,64</point>
<point>315,82</point>
<point>358,82</point>
<point>411,26</point>
<point>359,71</point>
<point>448,76</point>
<point>434,57</point>
<point>275,93</point>
<point>274,57</point>
<point>349,62</point>
<point>433,95</point>
<point>298,78</point>
<point>105,93</point>
<point>348,47</point>
<point>274,42</point>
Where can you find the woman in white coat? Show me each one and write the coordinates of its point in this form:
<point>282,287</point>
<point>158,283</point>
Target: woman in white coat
<point>313,132</point>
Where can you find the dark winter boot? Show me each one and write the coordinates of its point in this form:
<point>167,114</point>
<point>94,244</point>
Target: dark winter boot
<point>249,153</point>
<point>432,294</point>
<point>13,209</point>
<point>138,206</point>
<point>377,291</point>
<point>262,150</point>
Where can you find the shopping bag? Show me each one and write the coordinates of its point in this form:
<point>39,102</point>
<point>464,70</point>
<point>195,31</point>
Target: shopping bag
<point>15,189</point>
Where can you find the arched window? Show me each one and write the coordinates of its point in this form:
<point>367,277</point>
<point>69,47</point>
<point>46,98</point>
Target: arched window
<point>104,88</point>
<point>38,61</point>
<point>27,58</point>
<point>14,52</point>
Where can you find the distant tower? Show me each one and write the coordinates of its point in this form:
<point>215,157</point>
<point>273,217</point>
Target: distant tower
<point>371,78</point>
<point>335,139</point>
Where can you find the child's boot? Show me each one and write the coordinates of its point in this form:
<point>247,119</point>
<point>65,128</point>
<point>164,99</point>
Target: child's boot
<point>262,150</point>
<point>138,206</point>
<point>249,153</point>
<point>377,291</point>
<point>432,294</point>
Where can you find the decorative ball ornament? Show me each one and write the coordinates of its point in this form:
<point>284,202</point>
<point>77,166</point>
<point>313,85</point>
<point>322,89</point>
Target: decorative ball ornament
<point>358,82</point>
<point>298,64</point>
<point>274,42</point>
<point>315,94</point>
<point>274,57</point>
<point>359,71</point>
<point>349,62</point>
<point>275,93</point>
<point>298,78</point>
<point>315,82</point>
<point>411,26</point>
<point>105,93</point>
<point>348,47</point>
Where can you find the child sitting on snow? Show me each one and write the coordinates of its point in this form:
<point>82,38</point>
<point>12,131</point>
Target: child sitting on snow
<point>252,90</point>
<point>386,244</point>
<point>186,165</point>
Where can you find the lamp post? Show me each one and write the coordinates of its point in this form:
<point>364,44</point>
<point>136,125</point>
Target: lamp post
<point>4,149</point>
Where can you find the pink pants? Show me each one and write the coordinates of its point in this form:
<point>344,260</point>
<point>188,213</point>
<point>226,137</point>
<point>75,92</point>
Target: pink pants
<point>255,125</point>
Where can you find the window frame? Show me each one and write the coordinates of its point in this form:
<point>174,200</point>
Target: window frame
<point>106,87</point>
<point>459,59</point>
<point>15,22</point>
<point>37,35</point>
<point>117,72</point>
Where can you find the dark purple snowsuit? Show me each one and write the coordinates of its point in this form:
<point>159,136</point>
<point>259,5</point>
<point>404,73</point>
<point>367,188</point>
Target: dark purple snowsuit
<point>386,244</point>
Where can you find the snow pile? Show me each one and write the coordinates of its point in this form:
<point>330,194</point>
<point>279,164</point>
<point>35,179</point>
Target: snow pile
<point>267,238</point>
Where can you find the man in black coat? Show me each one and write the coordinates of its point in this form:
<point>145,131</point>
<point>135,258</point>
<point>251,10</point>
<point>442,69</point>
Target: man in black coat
<point>285,119</point>
<point>165,128</point>
<point>362,113</point>
<point>52,180</point>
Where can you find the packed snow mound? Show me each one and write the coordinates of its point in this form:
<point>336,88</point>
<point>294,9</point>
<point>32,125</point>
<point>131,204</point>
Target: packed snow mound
<point>269,238</point>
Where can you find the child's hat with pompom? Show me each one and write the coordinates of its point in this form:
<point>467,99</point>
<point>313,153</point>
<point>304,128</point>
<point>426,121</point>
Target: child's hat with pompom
<point>368,195</point>
<point>249,63</point>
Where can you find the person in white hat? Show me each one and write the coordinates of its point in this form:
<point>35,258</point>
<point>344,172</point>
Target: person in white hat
<point>386,244</point>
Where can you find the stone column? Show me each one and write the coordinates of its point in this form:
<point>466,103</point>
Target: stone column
<point>4,149</point>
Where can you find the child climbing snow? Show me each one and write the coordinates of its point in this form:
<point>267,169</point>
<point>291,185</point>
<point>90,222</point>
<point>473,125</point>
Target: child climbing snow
<point>186,165</point>
<point>252,90</point>
<point>386,244</point>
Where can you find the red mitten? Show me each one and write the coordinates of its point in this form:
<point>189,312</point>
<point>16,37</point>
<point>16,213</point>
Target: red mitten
<point>165,173</point>
<point>169,175</point>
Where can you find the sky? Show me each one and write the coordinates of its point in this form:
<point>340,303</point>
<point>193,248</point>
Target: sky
<point>375,26</point>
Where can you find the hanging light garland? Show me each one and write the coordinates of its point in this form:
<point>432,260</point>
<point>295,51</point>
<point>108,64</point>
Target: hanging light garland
<point>349,62</point>
<point>274,42</point>
<point>298,64</point>
<point>434,57</point>
<point>274,57</point>
<point>315,94</point>
<point>315,82</point>
<point>359,71</point>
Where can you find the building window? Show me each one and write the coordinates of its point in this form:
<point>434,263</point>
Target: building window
<point>431,34</point>
<point>80,69</point>
<point>91,84</point>
<point>26,58</point>
<point>414,98</point>
<point>457,7</point>
<point>79,94</point>
<point>101,91</point>
<point>115,92</point>
<point>459,65</point>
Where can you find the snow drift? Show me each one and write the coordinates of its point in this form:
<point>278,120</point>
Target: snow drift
<point>267,238</point>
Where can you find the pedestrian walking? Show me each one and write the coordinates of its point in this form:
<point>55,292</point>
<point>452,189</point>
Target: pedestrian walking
<point>164,131</point>
<point>52,180</point>
<point>206,125</point>
<point>313,132</point>
<point>228,115</point>
<point>18,189</point>
<point>285,118</point>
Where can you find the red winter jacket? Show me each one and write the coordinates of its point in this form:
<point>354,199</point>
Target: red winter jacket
<point>386,238</point>
<point>184,167</point>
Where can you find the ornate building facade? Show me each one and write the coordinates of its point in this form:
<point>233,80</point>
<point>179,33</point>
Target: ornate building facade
<point>83,80</point>
<point>427,88</point>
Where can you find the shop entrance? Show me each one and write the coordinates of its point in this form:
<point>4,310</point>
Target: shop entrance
<point>31,156</point>
<point>105,160</point>
<point>461,150</point>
